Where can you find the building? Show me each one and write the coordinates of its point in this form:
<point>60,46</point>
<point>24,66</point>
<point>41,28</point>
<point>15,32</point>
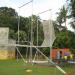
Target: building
<point>6,52</point>
<point>60,53</point>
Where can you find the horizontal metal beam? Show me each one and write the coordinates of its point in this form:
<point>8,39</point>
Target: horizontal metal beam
<point>44,11</point>
<point>19,45</point>
<point>26,4</point>
<point>36,47</point>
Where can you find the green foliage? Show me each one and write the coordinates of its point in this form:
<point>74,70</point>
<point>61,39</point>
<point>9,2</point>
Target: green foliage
<point>9,18</point>
<point>22,35</point>
<point>36,20</point>
<point>62,16</point>
<point>71,6</point>
<point>65,39</point>
<point>8,11</point>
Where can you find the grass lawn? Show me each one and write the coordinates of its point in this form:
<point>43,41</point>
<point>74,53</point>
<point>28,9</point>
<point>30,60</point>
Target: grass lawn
<point>12,67</point>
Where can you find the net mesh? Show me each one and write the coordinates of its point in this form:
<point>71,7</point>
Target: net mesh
<point>49,34</point>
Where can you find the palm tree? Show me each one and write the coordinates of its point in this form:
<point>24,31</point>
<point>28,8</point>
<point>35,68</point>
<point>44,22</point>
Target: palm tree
<point>64,13</point>
<point>71,6</point>
<point>62,16</point>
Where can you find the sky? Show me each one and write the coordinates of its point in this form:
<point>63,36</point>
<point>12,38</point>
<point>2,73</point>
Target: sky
<point>38,6</point>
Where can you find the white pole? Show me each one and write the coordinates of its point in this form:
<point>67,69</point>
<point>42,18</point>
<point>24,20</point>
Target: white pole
<point>37,30</point>
<point>50,23</point>
<point>26,4</point>
<point>37,36</point>
<point>19,20</point>
<point>50,42</point>
<point>44,11</point>
<point>21,55</point>
<point>18,30</point>
<point>19,16</point>
<point>18,25</point>
<point>31,34</point>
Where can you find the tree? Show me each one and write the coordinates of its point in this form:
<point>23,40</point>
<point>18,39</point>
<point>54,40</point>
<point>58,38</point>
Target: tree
<point>62,16</point>
<point>34,23</point>
<point>71,5</point>
<point>8,17</point>
<point>65,39</point>
<point>8,11</point>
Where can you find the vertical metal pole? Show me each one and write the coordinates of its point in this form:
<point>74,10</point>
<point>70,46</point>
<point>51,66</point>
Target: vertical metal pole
<point>51,53</point>
<point>18,29</point>
<point>50,42</point>
<point>18,25</point>
<point>27,53</point>
<point>50,23</point>
<point>31,34</point>
<point>37,36</point>
<point>37,31</point>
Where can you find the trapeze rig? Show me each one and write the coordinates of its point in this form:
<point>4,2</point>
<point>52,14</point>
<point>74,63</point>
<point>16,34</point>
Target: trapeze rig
<point>31,43</point>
